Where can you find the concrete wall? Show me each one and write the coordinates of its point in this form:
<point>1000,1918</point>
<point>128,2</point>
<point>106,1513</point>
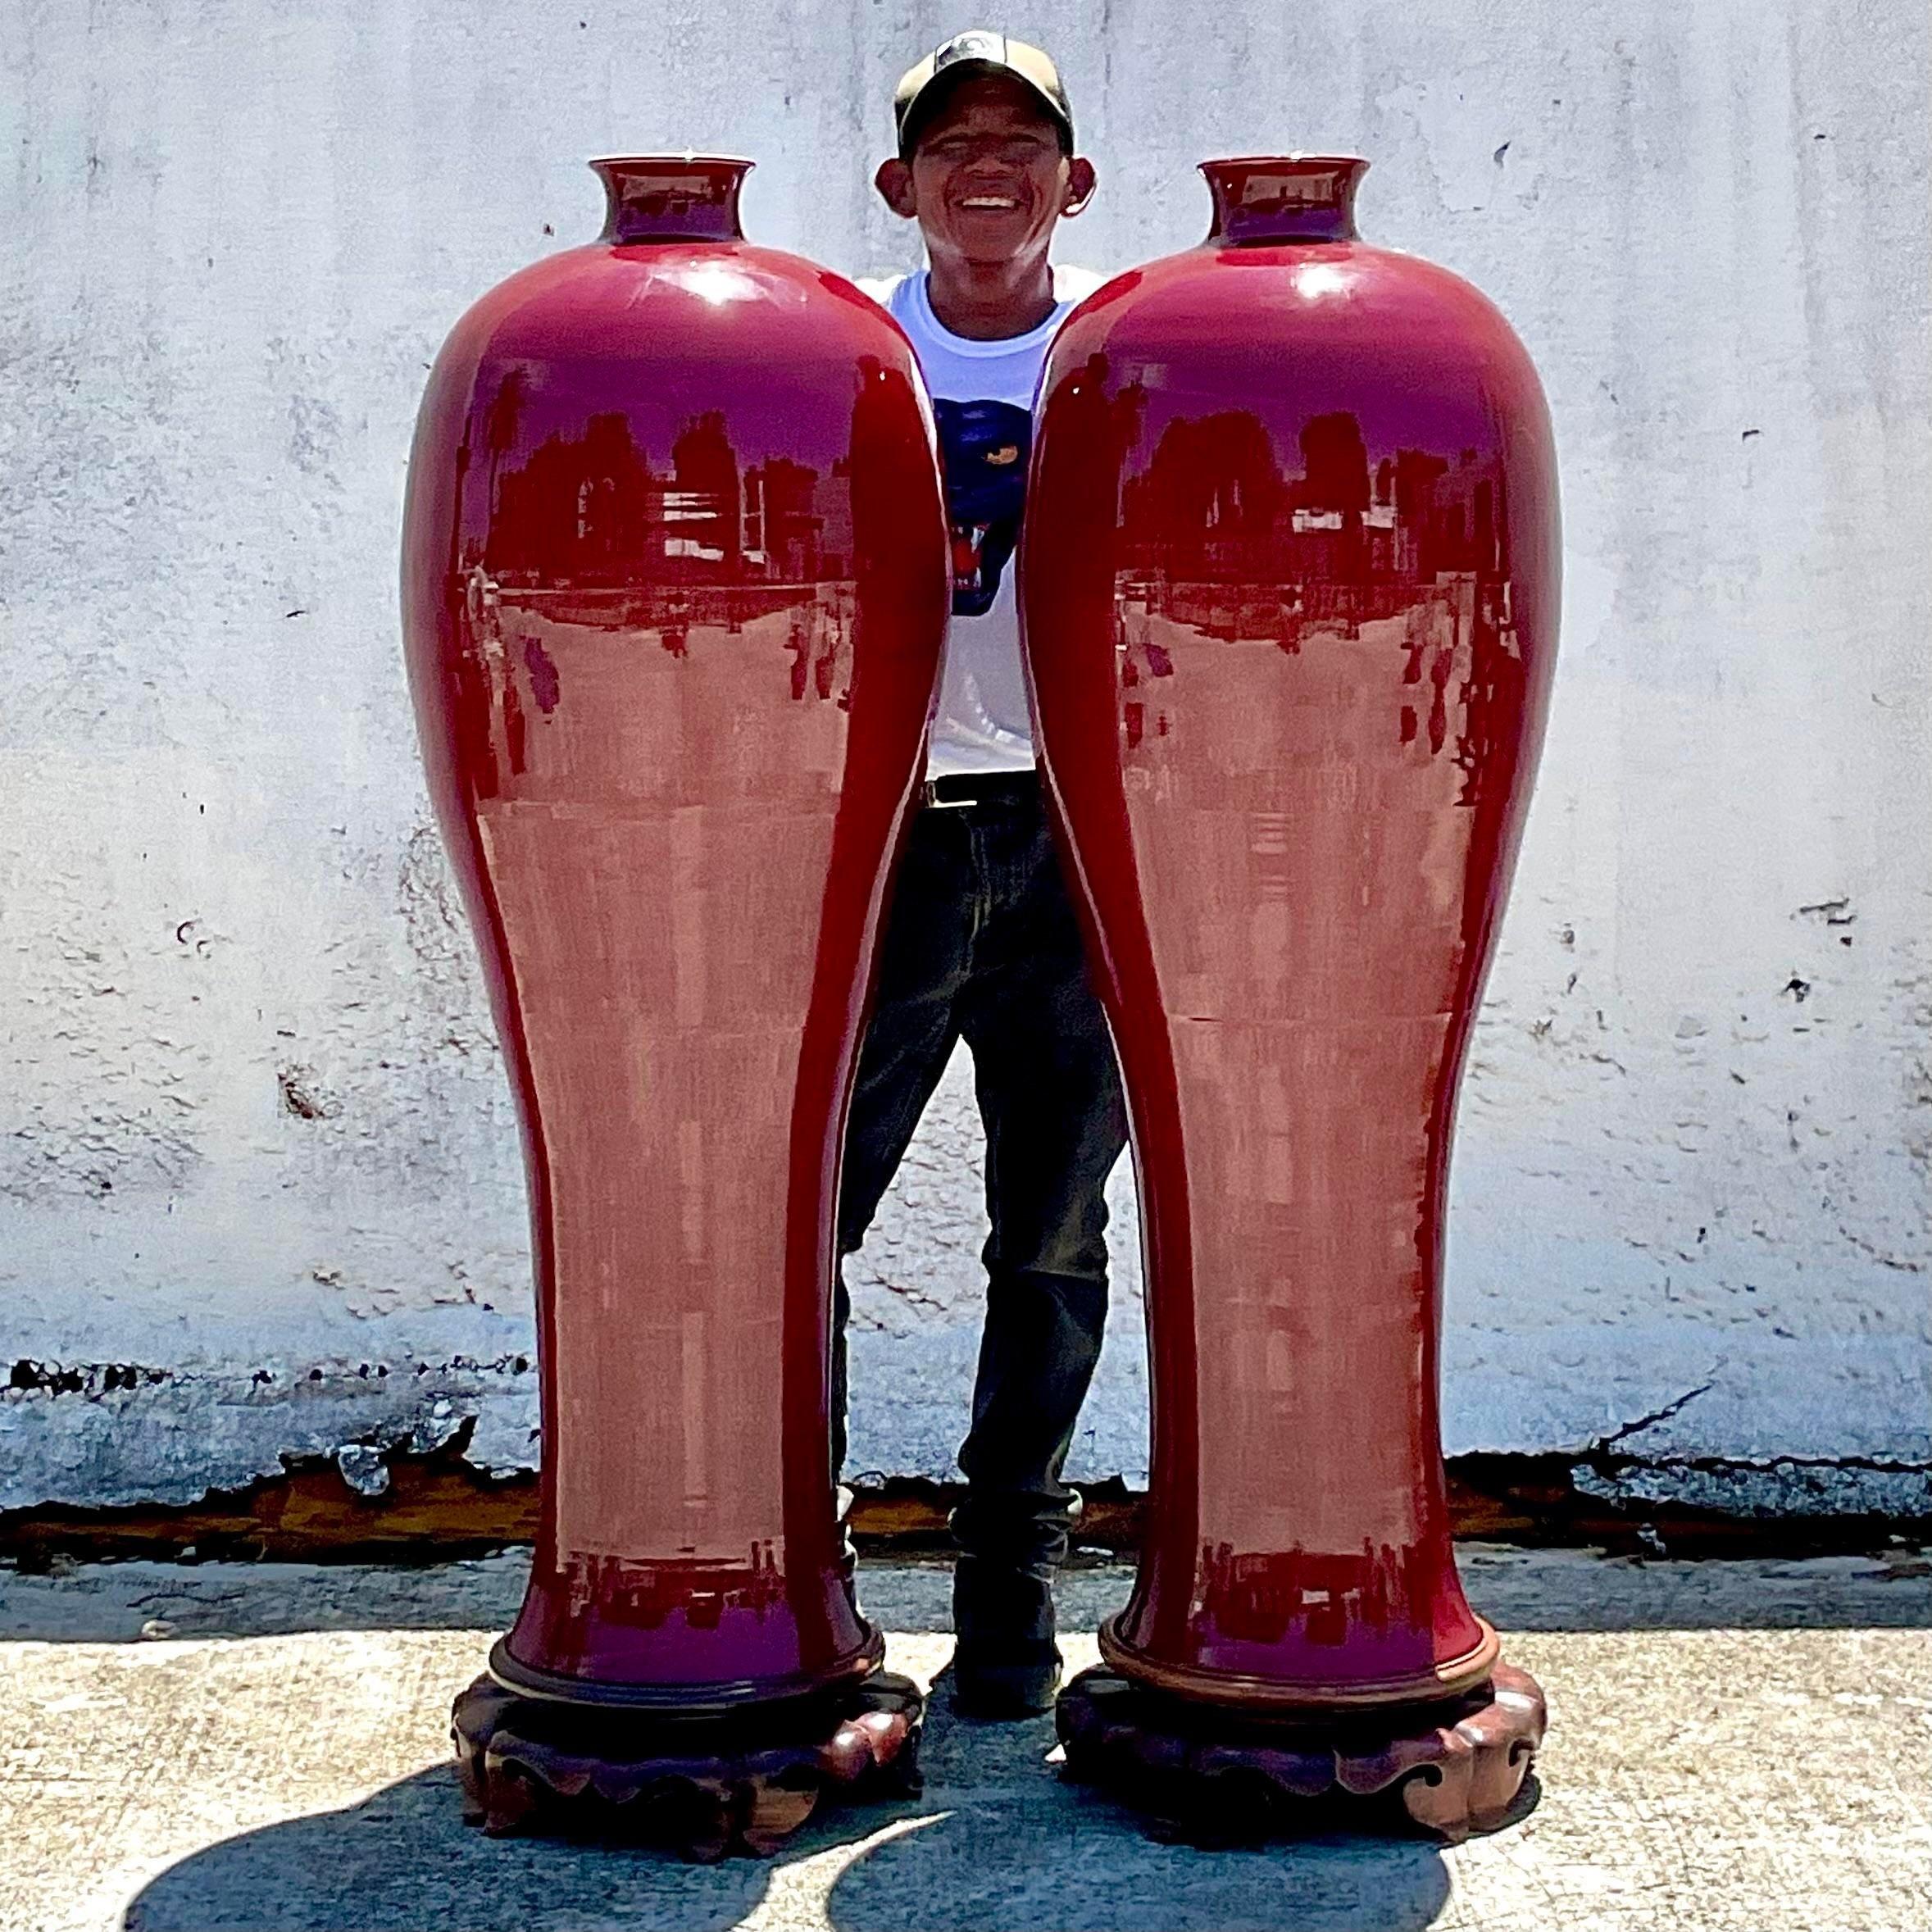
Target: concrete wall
<point>259,1191</point>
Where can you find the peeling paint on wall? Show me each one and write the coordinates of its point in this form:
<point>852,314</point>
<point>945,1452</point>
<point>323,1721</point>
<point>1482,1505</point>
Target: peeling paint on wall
<point>1900,1494</point>
<point>109,1434</point>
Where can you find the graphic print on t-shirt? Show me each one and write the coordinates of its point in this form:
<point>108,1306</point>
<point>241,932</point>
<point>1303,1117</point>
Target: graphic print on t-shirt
<point>984,448</point>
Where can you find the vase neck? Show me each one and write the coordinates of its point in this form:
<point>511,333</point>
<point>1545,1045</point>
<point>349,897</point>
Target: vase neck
<point>1261,198</point>
<point>665,198</point>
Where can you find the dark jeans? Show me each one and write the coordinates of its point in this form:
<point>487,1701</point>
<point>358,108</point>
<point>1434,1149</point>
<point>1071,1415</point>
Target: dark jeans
<point>981,944</point>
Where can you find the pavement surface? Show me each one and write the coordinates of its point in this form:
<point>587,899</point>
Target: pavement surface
<point>1734,1744</point>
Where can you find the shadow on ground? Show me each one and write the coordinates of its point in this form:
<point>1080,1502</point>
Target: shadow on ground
<point>1517,1589</point>
<point>404,1859</point>
<point>998,1841</point>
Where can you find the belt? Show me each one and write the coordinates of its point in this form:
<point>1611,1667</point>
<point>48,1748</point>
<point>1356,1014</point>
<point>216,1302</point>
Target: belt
<point>981,788</point>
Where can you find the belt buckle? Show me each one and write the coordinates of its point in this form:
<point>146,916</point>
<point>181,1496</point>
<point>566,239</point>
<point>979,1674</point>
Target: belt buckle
<point>929,798</point>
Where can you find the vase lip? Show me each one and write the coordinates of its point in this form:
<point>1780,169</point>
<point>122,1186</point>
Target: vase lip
<point>691,157</point>
<point>1312,197</point>
<point>657,197</point>
<point>1294,157</point>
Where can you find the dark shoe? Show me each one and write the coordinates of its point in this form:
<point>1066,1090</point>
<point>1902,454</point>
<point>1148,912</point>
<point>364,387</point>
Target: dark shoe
<point>999,1693</point>
<point>1006,1664</point>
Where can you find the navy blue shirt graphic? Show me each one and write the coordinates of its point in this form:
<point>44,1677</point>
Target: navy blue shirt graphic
<point>983,449</point>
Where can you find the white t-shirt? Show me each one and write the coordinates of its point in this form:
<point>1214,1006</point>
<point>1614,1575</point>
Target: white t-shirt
<point>983,396</point>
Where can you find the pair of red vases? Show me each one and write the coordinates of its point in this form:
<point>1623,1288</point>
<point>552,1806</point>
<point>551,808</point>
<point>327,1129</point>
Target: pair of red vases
<point>675,581</point>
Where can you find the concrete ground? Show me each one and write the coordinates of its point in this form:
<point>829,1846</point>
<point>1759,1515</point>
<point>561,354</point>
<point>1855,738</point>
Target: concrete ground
<point>1743,1745</point>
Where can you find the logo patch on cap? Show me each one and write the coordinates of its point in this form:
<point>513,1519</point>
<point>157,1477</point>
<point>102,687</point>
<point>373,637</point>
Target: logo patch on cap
<point>973,46</point>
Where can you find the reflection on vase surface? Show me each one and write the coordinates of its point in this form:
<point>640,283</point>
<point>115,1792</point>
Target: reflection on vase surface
<point>675,581</point>
<point>1289,586</point>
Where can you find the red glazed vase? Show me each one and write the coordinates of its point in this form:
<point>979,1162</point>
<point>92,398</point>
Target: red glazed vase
<point>675,587</point>
<point>1290,599</point>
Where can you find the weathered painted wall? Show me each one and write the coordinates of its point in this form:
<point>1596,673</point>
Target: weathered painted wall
<point>259,1193</point>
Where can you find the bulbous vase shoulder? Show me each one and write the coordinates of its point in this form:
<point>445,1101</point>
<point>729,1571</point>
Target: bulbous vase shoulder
<point>1335,315</point>
<point>724,302</point>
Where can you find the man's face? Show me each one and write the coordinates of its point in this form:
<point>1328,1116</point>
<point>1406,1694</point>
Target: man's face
<point>989,178</point>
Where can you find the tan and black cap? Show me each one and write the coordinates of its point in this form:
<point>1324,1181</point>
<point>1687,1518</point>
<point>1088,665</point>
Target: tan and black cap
<point>922,88</point>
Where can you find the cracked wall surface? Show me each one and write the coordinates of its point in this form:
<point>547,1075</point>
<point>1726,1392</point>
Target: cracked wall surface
<point>256,1145</point>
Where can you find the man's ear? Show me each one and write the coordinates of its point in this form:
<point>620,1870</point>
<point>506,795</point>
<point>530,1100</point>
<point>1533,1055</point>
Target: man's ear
<point>1081,181</point>
<point>895,183</point>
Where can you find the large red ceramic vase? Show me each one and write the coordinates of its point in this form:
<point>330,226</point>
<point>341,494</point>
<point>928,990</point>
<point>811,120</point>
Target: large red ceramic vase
<point>1290,596</point>
<point>674,583</point>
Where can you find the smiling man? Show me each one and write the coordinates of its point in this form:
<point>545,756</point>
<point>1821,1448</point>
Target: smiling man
<point>981,942</point>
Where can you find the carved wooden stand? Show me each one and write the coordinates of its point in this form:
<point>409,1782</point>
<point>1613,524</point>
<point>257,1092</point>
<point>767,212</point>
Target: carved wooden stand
<point>1214,1776</point>
<point>705,1786</point>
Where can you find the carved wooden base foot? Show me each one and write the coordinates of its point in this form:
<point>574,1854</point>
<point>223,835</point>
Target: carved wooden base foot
<point>1213,1776</point>
<point>703,1786</point>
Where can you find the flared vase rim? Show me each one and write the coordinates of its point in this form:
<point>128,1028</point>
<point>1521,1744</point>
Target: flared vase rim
<point>1293,157</point>
<point>671,198</point>
<point>1263,200</point>
<point>690,159</point>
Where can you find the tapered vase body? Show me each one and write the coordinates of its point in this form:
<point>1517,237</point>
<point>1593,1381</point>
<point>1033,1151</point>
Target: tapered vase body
<point>675,584</point>
<point>1289,583</point>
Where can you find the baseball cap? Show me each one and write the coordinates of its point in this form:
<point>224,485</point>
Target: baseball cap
<point>977,52</point>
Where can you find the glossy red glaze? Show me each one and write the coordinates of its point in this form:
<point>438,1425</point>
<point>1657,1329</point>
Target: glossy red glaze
<point>1290,594</point>
<point>675,582</point>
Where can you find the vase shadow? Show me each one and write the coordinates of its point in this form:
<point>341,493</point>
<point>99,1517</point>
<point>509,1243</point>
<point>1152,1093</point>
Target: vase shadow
<point>404,1861</point>
<point>1000,1840</point>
